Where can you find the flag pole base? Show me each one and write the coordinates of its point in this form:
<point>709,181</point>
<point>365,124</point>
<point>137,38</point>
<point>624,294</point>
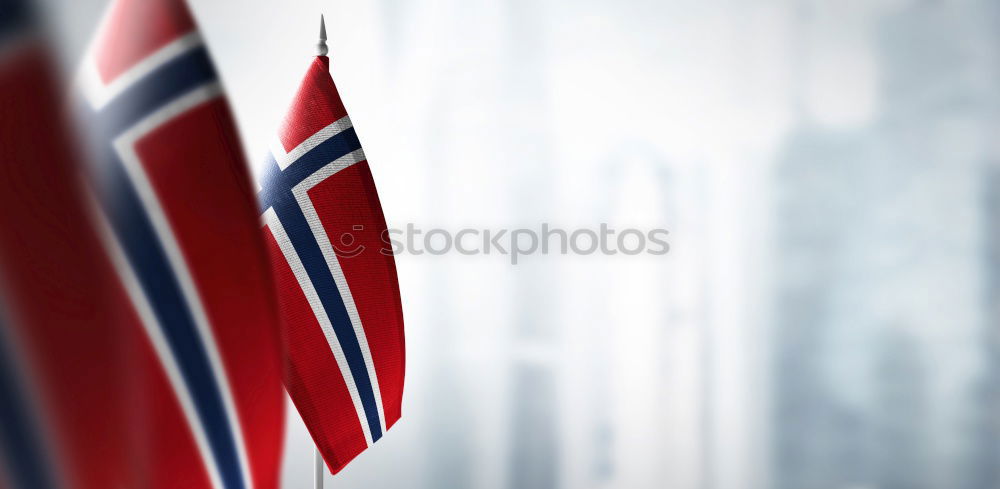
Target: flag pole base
<point>317,470</point>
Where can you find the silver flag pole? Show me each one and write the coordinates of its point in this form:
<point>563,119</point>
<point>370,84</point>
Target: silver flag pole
<point>321,50</point>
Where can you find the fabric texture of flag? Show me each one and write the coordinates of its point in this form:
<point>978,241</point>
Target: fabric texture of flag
<point>175,202</point>
<point>339,301</point>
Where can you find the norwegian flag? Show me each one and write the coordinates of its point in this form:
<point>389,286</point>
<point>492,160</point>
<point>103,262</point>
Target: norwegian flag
<point>339,299</point>
<point>180,224</point>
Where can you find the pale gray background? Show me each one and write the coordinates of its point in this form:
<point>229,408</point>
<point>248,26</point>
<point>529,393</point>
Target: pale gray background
<point>827,316</point>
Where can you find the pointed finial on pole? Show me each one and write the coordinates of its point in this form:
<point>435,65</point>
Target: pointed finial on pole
<point>321,48</point>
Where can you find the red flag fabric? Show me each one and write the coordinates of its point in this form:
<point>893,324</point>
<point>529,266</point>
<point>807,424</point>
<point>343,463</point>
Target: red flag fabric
<point>61,345</point>
<point>340,309</point>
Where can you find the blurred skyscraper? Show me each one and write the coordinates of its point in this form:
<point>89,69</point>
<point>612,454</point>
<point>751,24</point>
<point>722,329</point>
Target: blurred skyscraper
<point>986,424</point>
<point>879,272</point>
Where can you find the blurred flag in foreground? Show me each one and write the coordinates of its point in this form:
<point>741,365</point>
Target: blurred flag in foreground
<point>63,408</point>
<point>174,197</point>
<point>339,300</point>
